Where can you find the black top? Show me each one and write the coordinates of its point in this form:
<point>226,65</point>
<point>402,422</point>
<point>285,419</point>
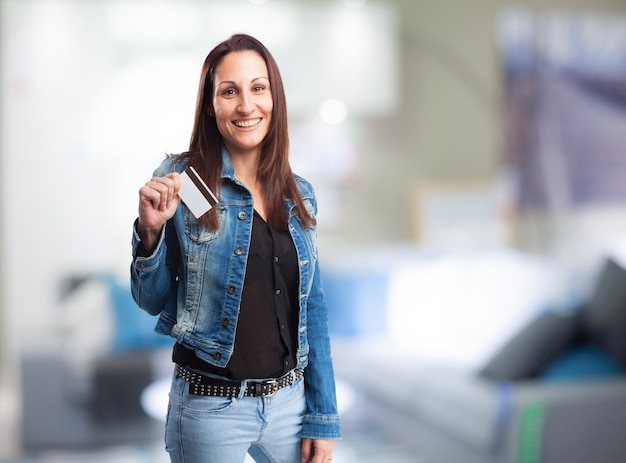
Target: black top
<point>266,336</point>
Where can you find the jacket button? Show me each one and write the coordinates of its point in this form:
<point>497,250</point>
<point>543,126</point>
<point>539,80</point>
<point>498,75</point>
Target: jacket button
<point>231,289</point>
<point>242,215</point>
<point>239,250</point>
<point>217,356</point>
<point>225,322</point>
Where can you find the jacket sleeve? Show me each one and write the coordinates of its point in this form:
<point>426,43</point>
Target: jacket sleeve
<point>322,418</point>
<point>154,277</point>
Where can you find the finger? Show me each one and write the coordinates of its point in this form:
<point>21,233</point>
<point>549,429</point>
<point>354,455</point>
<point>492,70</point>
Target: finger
<point>176,181</point>
<point>150,195</point>
<point>307,445</point>
<point>320,457</point>
<point>174,188</point>
<point>160,194</point>
<point>322,450</point>
<point>165,186</point>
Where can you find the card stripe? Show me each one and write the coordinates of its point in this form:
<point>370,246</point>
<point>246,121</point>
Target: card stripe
<point>204,189</point>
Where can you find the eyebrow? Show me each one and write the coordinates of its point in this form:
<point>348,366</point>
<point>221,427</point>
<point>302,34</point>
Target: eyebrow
<point>232,82</point>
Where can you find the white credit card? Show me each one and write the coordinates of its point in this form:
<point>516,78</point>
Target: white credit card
<point>195,193</point>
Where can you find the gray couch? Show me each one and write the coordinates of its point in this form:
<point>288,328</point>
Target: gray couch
<point>553,392</point>
<point>447,414</point>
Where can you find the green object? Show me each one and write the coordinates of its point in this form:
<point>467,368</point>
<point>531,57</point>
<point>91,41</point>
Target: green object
<point>531,430</point>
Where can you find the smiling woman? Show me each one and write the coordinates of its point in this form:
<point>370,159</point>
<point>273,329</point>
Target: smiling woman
<point>239,287</point>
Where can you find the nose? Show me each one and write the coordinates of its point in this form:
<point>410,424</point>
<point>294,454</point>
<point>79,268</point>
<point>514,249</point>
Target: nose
<point>245,103</point>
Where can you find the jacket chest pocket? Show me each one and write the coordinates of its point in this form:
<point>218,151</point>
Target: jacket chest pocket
<point>196,230</point>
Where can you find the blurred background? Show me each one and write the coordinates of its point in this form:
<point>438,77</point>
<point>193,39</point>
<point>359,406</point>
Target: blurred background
<point>469,160</point>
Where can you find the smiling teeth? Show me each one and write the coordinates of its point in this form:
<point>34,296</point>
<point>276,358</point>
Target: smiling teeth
<point>247,123</point>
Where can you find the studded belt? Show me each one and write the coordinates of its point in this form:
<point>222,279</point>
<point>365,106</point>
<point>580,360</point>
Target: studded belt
<point>204,385</point>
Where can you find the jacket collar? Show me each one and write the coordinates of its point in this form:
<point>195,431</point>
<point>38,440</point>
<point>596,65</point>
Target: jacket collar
<point>228,171</point>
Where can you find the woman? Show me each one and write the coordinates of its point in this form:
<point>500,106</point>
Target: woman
<point>239,288</point>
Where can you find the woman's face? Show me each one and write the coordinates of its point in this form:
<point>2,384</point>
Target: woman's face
<point>242,101</point>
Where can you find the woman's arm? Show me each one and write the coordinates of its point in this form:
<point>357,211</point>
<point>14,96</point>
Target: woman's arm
<point>322,419</point>
<point>154,270</point>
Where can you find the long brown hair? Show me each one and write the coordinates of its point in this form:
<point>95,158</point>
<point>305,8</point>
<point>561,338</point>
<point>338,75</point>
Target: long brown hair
<point>205,145</point>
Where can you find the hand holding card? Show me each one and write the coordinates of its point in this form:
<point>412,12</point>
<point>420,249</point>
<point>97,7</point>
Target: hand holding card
<point>195,193</point>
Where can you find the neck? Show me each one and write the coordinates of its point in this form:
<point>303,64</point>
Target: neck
<point>247,173</point>
<point>245,165</point>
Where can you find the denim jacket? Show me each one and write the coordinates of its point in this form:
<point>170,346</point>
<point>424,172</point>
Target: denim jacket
<point>193,281</point>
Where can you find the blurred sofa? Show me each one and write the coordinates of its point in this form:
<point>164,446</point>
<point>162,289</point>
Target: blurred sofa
<point>553,390</point>
<point>83,387</point>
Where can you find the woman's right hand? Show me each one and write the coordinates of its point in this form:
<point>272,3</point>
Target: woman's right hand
<point>158,200</point>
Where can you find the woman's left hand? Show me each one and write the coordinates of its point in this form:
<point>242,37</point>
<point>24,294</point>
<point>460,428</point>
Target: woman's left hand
<point>317,450</point>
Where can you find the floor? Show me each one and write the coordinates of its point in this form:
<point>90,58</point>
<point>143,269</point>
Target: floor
<point>361,447</point>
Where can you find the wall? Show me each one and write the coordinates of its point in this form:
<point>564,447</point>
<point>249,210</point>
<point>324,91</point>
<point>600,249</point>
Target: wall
<point>447,127</point>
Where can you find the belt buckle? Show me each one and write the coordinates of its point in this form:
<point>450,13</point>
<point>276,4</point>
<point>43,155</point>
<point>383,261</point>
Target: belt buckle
<point>258,388</point>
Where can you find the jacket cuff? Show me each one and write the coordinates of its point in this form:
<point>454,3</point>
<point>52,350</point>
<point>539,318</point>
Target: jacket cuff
<point>140,253</point>
<point>321,427</point>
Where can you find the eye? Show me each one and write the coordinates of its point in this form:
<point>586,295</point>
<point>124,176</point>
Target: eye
<point>228,92</point>
<point>258,88</point>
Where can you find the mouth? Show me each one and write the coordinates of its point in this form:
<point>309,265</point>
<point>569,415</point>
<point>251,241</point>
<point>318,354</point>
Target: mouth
<point>247,123</point>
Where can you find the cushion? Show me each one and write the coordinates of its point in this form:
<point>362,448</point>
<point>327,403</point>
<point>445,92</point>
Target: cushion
<point>605,318</point>
<point>134,328</point>
<point>586,361</point>
<point>527,353</point>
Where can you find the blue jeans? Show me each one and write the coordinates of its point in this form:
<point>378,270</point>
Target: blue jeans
<point>203,429</point>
